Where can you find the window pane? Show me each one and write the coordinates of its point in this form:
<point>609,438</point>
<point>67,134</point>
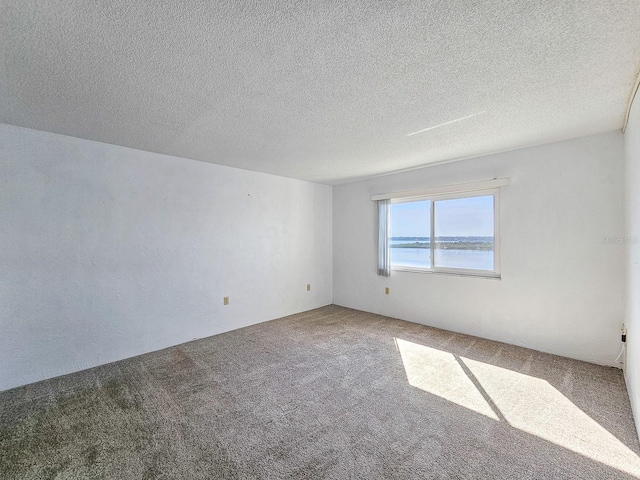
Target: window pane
<point>410,235</point>
<point>464,233</point>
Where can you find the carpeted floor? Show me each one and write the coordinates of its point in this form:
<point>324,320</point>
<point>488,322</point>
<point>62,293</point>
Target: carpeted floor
<point>330,393</point>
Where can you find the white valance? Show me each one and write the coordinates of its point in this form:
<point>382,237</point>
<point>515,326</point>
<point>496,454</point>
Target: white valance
<point>444,189</point>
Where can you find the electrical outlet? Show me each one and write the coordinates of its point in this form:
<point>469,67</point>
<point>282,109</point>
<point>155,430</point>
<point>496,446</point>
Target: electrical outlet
<point>226,301</point>
<point>308,287</point>
<point>386,290</point>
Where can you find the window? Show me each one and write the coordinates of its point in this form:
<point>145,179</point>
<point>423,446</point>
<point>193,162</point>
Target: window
<point>410,234</point>
<point>449,233</point>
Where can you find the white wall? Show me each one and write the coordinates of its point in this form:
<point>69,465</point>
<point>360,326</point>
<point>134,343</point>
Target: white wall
<point>108,252</point>
<point>632,175</point>
<point>562,287</point>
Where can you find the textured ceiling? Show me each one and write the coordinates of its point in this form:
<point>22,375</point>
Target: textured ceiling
<point>327,91</point>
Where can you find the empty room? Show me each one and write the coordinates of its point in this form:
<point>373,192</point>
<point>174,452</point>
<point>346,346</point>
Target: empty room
<point>319,240</point>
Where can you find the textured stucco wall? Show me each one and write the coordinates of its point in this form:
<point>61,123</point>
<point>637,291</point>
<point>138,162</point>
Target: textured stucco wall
<point>108,252</point>
<point>562,286</point>
<point>632,318</point>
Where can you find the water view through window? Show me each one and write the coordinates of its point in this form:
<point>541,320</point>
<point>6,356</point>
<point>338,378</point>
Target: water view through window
<point>464,233</point>
<point>410,234</point>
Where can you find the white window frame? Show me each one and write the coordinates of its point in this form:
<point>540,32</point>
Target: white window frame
<point>495,273</point>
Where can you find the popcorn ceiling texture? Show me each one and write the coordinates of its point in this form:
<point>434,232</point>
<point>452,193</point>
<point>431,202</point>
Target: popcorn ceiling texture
<point>321,91</point>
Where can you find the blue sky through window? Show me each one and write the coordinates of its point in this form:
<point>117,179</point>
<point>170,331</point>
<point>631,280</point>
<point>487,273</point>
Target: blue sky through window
<point>464,217</point>
<point>460,217</point>
<point>411,219</point>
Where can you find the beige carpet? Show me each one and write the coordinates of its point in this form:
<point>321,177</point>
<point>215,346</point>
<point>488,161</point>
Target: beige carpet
<point>331,393</point>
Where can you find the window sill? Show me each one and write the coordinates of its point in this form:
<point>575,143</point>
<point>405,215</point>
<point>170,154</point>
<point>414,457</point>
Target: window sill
<point>451,272</point>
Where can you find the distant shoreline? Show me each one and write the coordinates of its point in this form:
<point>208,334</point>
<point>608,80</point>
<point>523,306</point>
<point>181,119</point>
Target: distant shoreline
<point>462,245</point>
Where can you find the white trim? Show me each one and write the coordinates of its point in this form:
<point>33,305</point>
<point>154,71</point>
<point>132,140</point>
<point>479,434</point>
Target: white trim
<point>496,232</point>
<point>432,233</point>
<point>444,189</point>
<point>456,272</point>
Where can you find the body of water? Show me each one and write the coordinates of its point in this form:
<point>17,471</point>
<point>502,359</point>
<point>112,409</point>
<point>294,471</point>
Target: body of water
<point>420,257</point>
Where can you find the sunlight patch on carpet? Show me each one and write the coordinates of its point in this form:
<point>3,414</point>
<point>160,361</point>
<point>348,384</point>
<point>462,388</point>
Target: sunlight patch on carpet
<point>438,372</point>
<point>525,402</point>
<point>535,406</point>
